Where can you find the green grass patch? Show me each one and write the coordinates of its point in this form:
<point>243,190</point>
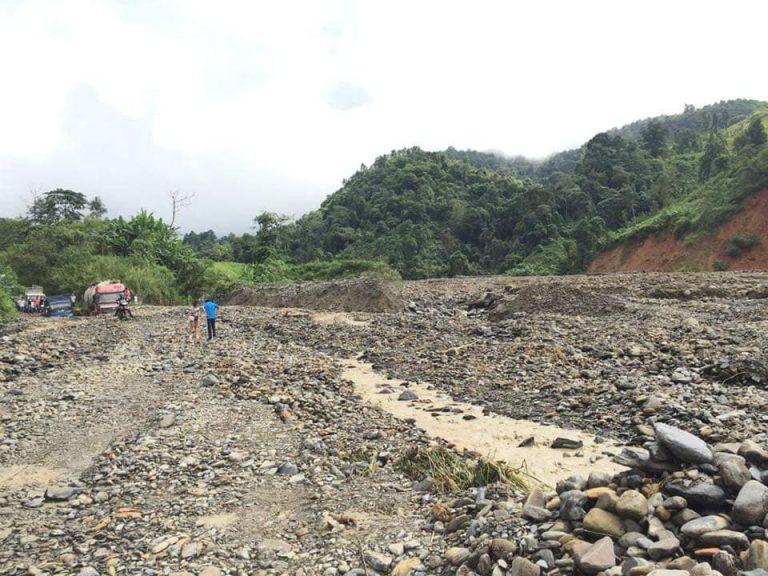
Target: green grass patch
<point>235,271</point>
<point>276,270</point>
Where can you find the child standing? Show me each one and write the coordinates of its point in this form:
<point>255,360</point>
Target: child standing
<point>194,322</point>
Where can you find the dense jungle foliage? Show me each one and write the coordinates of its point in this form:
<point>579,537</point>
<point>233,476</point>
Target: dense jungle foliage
<point>467,212</point>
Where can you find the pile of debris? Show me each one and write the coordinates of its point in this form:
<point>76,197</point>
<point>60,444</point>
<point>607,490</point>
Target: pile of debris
<point>682,508</point>
<point>354,295</point>
<point>742,370</point>
<point>550,298</point>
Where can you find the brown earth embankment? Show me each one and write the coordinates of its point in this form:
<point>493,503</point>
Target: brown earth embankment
<point>664,252</point>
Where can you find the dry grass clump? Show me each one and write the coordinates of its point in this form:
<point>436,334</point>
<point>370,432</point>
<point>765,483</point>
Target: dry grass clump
<point>450,472</point>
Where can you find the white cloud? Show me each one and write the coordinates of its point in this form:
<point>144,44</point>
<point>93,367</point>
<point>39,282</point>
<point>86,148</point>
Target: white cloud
<point>270,105</point>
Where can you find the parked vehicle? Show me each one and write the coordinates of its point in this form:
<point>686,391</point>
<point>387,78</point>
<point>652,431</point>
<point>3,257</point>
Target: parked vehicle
<point>58,306</point>
<point>102,298</point>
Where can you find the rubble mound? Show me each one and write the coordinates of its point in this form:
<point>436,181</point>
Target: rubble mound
<point>555,298</point>
<point>740,370</point>
<point>688,292</point>
<point>355,295</point>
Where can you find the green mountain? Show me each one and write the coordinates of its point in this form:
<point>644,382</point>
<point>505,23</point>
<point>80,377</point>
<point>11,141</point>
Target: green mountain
<point>468,212</point>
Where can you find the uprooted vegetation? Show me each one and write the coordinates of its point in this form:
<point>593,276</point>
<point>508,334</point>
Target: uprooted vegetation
<point>449,472</point>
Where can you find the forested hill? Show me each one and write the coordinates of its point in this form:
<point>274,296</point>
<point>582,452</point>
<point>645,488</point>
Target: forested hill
<point>467,212</point>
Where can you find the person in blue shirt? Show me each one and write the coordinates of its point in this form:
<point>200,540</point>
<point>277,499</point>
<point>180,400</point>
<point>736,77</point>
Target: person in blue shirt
<point>211,308</point>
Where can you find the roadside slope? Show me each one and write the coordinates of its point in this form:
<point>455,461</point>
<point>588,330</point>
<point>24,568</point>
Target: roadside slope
<point>663,252</point>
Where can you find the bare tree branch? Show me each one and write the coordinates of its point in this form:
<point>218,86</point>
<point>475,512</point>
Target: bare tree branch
<point>179,201</point>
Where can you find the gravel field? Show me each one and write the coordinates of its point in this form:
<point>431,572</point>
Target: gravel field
<point>124,449</point>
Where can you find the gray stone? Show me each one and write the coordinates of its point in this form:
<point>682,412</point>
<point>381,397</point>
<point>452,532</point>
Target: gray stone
<point>701,569</point>
<point>755,572</point>
<point>698,526</point>
<point>633,457</point>
<point>734,474</point>
<point>378,561</point>
<point>168,420</point>
<point>572,505</point>
<point>59,493</point>
<point>721,457</point>
<point>408,395</point>
<point>457,523</point>
<point>599,557</point>
<point>568,442</point>
<point>630,539</point>
<point>287,469</point>
<point>675,503</point>
<point>724,563</point>
<point>574,482</point>
<point>533,509</point>
<point>631,563</point>
<point>190,550</point>
<point>683,445</point>
<point>681,563</point>
<point>603,522</point>
<point>751,504</point>
<point>663,548</point>
<point>503,548</point>
<point>88,571</point>
<point>757,555</point>
<point>697,492</point>
<point>457,555</point>
<point>598,479</point>
<point>753,452</point>
<point>523,567</point>
<point>209,380</point>
<point>535,513</point>
<point>632,504</point>
<point>720,538</point>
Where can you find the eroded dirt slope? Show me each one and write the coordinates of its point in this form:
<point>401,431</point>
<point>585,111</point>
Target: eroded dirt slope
<point>665,252</point>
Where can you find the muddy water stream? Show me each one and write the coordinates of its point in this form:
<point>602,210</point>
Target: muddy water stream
<point>491,435</point>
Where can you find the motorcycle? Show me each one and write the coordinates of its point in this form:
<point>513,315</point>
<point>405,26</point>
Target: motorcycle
<point>123,311</point>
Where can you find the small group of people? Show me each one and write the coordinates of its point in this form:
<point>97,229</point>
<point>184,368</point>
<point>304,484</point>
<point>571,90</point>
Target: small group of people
<point>36,303</point>
<point>211,309</point>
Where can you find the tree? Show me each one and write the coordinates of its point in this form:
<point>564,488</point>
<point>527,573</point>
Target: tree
<point>268,227</point>
<point>57,205</point>
<point>96,207</point>
<point>756,135</point>
<point>179,201</point>
<point>458,264</point>
<point>587,234</point>
<point>654,138</point>
<point>714,159</point>
<point>686,140</point>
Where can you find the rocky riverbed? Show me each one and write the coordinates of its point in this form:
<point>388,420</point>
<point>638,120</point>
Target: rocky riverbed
<point>125,449</point>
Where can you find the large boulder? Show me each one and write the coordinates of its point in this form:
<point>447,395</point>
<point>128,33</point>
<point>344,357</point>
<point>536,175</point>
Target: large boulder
<point>632,504</point>
<point>757,556</point>
<point>698,526</point>
<point>697,492</point>
<point>751,504</point>
<point>599,557</point>
<point>683,445</point>
<point>734,474</point>
<point>603,522</point>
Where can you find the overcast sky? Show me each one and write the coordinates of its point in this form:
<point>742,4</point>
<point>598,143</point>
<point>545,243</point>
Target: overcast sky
<point>270,105</point>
